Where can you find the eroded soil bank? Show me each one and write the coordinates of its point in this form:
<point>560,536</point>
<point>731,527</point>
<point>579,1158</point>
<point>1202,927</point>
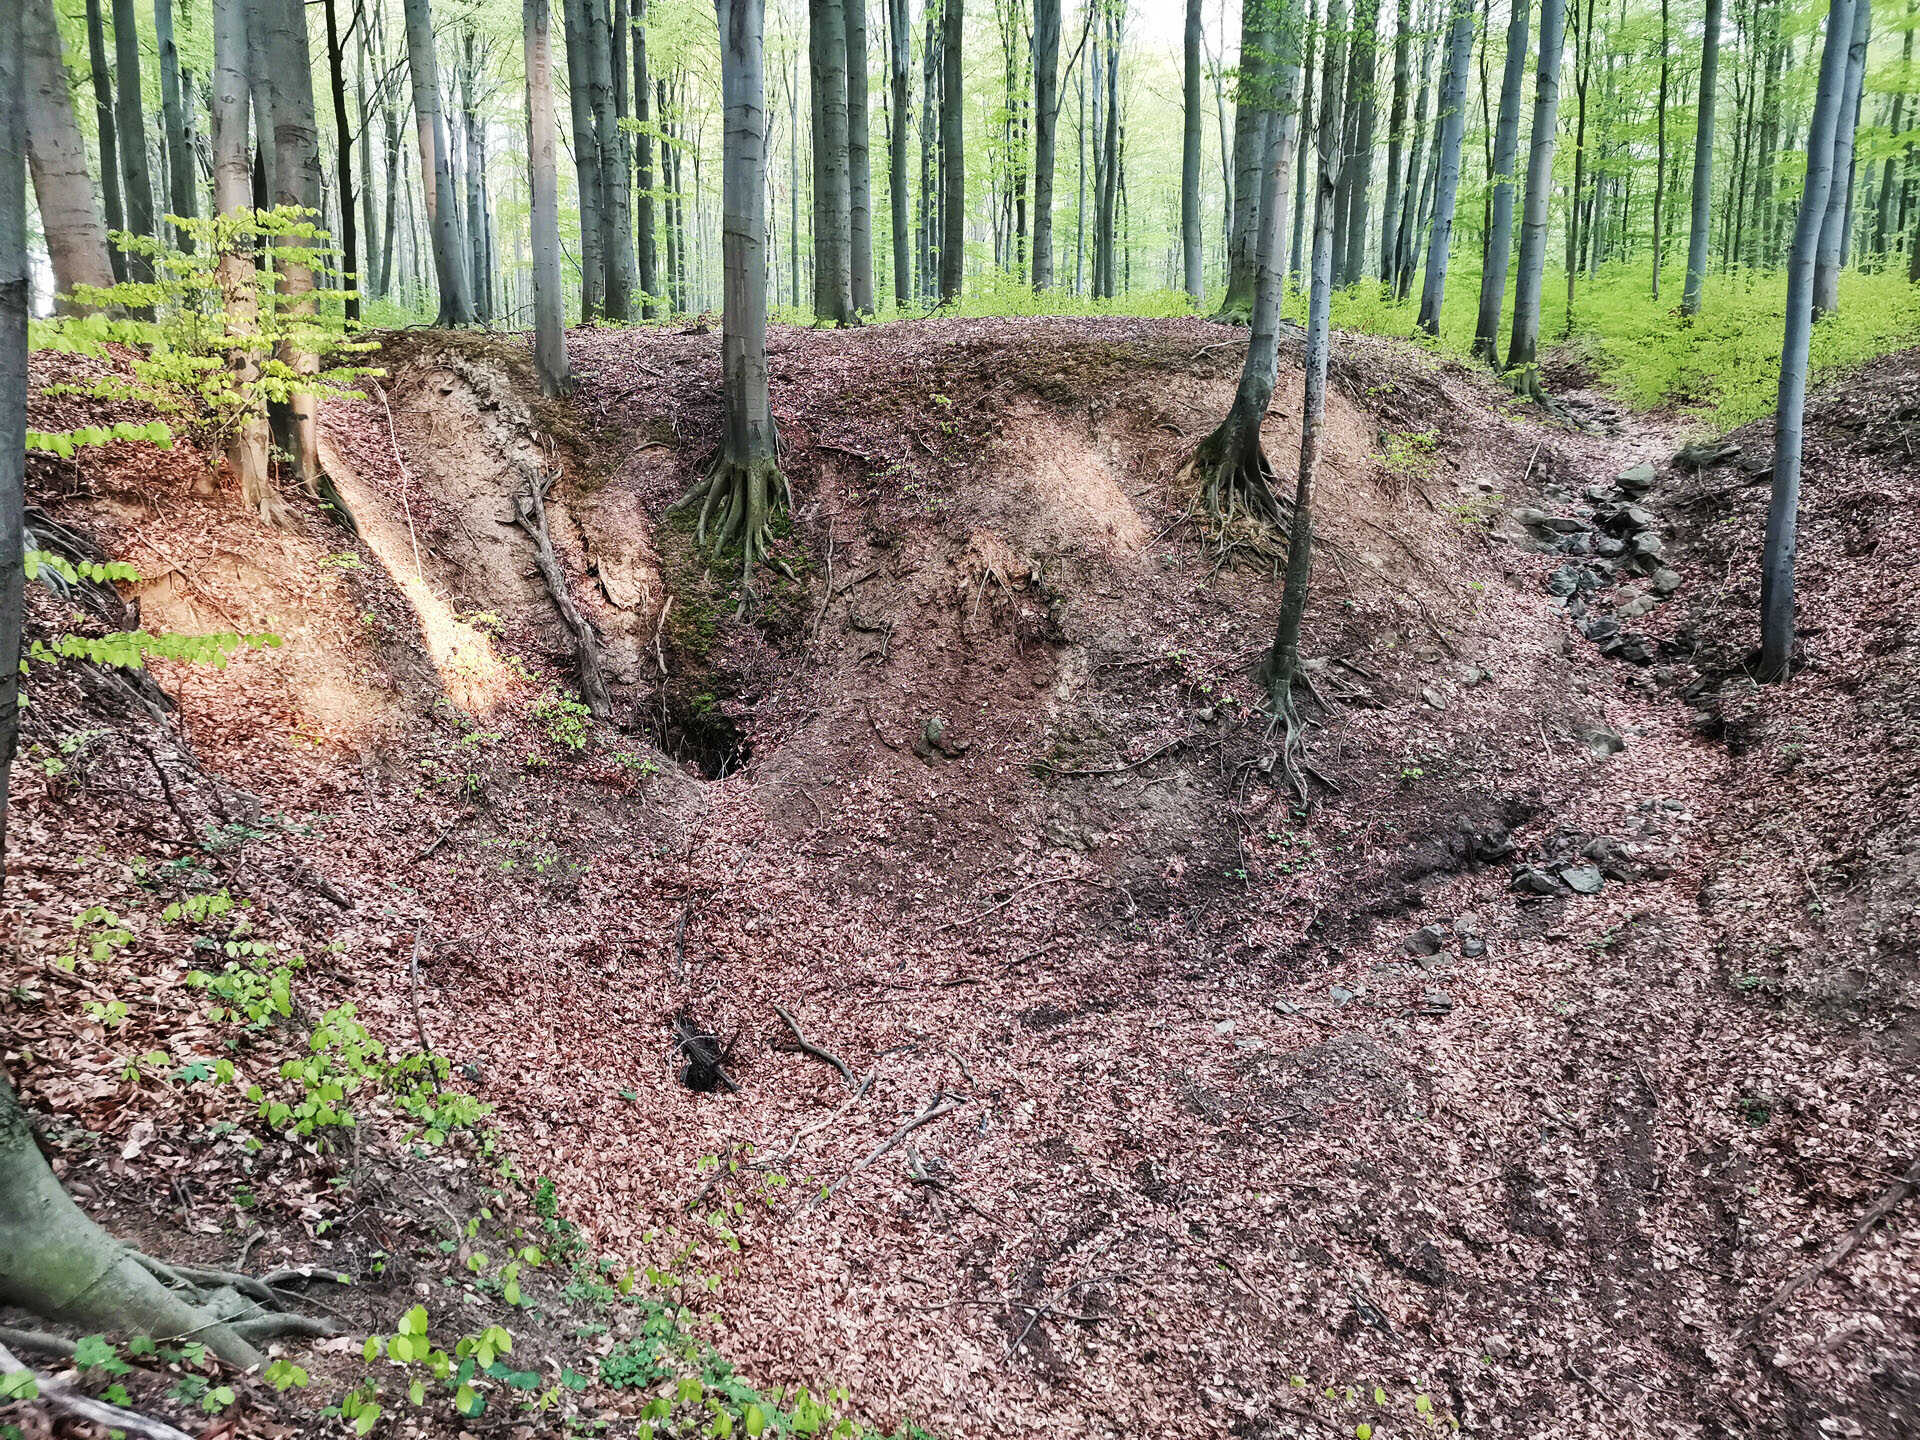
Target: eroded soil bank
<point>1572,1020</point>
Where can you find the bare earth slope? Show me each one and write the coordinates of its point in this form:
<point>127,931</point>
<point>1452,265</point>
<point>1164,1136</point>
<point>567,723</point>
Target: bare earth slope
<point>1573,1019</point>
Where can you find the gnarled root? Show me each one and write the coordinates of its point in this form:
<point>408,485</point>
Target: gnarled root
<point>1232,477</point>
<point>733,505</point>
<point>57,1263</point>
<point>1285,725</point>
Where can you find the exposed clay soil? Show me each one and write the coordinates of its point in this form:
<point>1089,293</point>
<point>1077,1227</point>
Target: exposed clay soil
<point>978,797</point>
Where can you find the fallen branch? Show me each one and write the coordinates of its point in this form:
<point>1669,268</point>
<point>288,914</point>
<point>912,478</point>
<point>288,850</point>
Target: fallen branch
<point>1049,880</point>
<point>1888,1202</point>
<point>940,1103</point>
<point>58,1396</point>
<point>1150,756</point>
<point>807,1047</point>
<point>530,513</point>
<point>778,1158</point>
<point>38,1341</point>
<point>413,986</point>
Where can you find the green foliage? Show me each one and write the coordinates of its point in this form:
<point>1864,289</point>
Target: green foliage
<point>64,442</point>
<point>180,366</point>
<point>568,723</point>
<point>130,650</point>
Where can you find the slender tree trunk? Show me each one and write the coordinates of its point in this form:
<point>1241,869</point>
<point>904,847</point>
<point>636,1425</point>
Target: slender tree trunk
<point>643,167</point>
<point>475,139</point>
<point>1297,255</point>
<point>1883,221</point>
<point>136,178</point>
<point>369,198</point>
<point>1702,222</point>
<point>953,159</point>
<point>180,180</point>
<point>899,80</point>
<point>1453,102</point>
<point>104,129</point>
<point>1190,138</point>
<point>343,160</point>
<point>1419,183</point>
<point>1283,658</point>
<point>1660,162</point>
<point>436,168</point>
<point>859,170</point>
<point>1397,135</point>
<point>1252,107</point>
<point>1529,279</point>
<point>616,194</point>
<point>549,300</point>
<point>1358,177</point>
<point>1576,196</point>
<point>239,285</point>
<point>19,88</point>
<point>1506,151</point>
<point>1104,255</point>
<point>69,216</point>
<point>1830,258</point>
<point>1776,563</point>
<point>577,20</point>
<point>296,182</point>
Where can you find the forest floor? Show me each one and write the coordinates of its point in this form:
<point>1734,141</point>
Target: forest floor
<point>1507,1082</point>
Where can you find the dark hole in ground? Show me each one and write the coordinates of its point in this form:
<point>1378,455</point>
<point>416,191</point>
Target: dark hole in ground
<point>695,731</point>
<point>701,1055</point>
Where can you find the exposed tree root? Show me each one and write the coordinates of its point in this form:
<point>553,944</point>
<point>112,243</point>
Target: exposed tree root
<point>733,506</point>
<point>58,1396</point>
<point>57,1263</point>
<point>1234,310</point>
<point>1232,477</point>
<point>1286,725</point>
<point>530,513</point>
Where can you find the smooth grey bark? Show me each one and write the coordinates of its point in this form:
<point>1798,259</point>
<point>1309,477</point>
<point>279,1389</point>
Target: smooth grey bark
<point>643,168</point>
<point>1831,257</point>
<point>1106,207</point>
<point>1251,107</point>
<point>181,197</point>
<point>115,209</point>
<point>1190,137</point>
<point>1283,657</point>
<point>1530,275</point>
<point>296,183</point>
<point>1777,557</point>
<point>232,196</point>
<point>1046,131</point>
<point>1660,149</point>
<point>953,152</point>
<point>1702,218</point>
<point>1298,257</point>
<point>1396,137</point>
<point>436,169</point>
<point>1506,151</point>
<point>832,178</point>
<point>549,301</point>
<point>1419,179</point>
<point>136,177</point>
<point>859,168</point>
<point>1356,181</point>
<point>616,193</point>
<point>19,87</point>
<point>473,135</point>
<point>369,196</point>
<point>578,26</point>
<point>1453,124</point>
<point>899,74</point>
<point>1883,213</point>
<point>57,152</point>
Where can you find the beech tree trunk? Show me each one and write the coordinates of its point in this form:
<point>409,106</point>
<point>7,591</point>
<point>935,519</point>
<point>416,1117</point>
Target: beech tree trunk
<point>643,167</point>
<point>1831,256</point>
<point>1453,122</point>
<point>832,181</point>
<point>586,157</point>
<point>343,159</point>
<point>1702,226</point>
<point>181,199</point>
<point>1506,151</point>
<point>1530,277</point>
<point>1190,137</point>
<point>20,95</point>
<point>549,301</point>
<point>296,182</point>
<point>136,177</point>
<point>116,215</point>
<point>436,169</point>
<point>859,169</point>
<point>1776,562</point>
<point>1660,150</point>
<point>1357,181</point>
<point>57,151</point>
<point>233,194</point>
<point>1250,113</point>
<point>1396,135</point>
<point>616,193</point>
<point>953,155</point>
<point>899,73</point>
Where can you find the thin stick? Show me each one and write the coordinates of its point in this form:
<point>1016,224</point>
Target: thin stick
<point>1889,1200</point>
<point>1049,880</point>
<point>56,1395</point>
<point>826,1057</point>
<point>413,984</point>
<point>940,1104</point>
